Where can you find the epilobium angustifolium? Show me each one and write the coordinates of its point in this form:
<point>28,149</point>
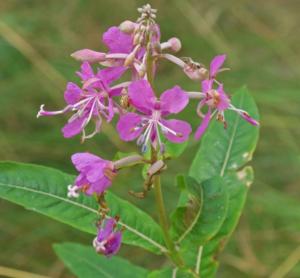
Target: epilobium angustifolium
<point>142,114</point>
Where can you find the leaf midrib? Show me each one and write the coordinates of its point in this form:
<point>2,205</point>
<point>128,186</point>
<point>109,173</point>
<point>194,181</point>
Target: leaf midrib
<point>230,145</point>
<point>129,228</point>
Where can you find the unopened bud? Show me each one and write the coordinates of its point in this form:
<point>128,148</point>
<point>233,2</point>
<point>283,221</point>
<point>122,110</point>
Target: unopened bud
<point>89,56</point>
<point>129,60</point>
<point>127,26</point>
<point>137,38</point>
<point>156,167</point>
<point>175,44</point>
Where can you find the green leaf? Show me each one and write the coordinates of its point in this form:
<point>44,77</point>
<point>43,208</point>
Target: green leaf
<point>189,207</point>
<point>237,184</point>
<point>228,149</point>
<point>44,190</point>
<point>222,153</point>
<point>174,150</point>
<point>84,262</point>
<point>210,201</point>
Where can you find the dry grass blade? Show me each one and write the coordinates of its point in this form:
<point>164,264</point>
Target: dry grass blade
<point>18,42</point>
<point>287,265</point>
<point>14,273</point>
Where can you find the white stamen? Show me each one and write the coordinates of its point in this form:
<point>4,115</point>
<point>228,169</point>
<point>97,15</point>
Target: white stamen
<point>99,245</point>
<point>73,191</point>
<point>42,112</point>
<point>166,129</point>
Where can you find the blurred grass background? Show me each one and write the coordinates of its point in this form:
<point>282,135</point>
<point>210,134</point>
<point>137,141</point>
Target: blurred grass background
<point>262,41</point>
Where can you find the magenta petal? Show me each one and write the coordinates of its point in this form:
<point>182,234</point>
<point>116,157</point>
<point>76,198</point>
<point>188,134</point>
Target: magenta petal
<point>249,119</point>
<point>111,74</point>
<point>107,230</point>
<point>83,160</point>
<point>72,93</point>
<point>173,100</point>
<point>141,96</point>
<point>206,85</point>
<point>224,99</point>
<point>81,180</point>
<point>110,110</point>
<point>94,172</point>
<point>99,186</point>
<point>216,64</point>
<point>115,92</point>
<point>117,41</point>
<point>113,244</point>
<point>73,128</point>
<point>127,124</point>
<point>182,128</point>
<point>86,71</point>
<point>203,126</point>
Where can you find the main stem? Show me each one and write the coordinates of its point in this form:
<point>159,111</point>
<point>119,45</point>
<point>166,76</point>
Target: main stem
<point>174,256</point>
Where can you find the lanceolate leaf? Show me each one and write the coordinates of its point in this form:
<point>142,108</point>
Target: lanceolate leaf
<point>44,190</point>
<point>222,149</point>
<point>84,262</point>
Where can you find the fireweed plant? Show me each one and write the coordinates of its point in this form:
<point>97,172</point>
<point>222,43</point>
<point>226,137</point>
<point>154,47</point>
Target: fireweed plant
<point>211,195</point>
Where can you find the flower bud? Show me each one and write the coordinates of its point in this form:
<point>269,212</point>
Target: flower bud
<point>127,26</point>
<point>89,56</point>
<point>129,60</point>
<point>156,168</point>
<point>175,44</point>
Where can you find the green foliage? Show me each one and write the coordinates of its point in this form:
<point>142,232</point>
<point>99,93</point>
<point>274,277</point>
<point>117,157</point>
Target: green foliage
<point>84,262</point>
<point>44,190</point>
<point>174,150</point>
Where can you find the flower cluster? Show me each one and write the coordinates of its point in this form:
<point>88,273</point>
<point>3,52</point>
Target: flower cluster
<point>143,115</point>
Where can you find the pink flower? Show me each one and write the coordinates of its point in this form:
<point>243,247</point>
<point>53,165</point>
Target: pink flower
<point>149,125</point>
<point>217,102</point>
<point>95,174</point>
<point>108,239</point>
<point>91,102</point>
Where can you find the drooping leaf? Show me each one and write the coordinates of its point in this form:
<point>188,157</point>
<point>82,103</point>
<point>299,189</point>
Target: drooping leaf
<point>228,149</point>
<point>189,207</point>
<point>210,201</point>
<point>44,190</point>
<point>84,262</point>
<point>222,153</point>
<point>237,184</point>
